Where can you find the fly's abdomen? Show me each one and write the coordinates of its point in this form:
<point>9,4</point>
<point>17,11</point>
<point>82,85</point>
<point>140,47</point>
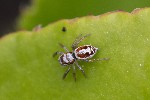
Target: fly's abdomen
<point>85,52</point>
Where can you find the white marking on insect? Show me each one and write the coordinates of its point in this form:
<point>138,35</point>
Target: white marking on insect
<point>65,58</point>
<point>70,57</point>
<point>83,51</point>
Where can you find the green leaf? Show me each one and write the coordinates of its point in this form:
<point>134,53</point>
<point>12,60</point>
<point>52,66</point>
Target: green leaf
<point>46,11</point>
<point>29,72</point>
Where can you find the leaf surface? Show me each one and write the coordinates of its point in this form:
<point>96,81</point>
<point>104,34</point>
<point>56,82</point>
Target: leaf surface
<point>29,72</point>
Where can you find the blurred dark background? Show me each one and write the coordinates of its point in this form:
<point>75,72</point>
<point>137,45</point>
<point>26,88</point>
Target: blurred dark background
<point>14,15</point>
<point>9,11</point>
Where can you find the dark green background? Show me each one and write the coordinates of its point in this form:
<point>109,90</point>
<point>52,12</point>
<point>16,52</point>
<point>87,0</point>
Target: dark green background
<point>47,11</point>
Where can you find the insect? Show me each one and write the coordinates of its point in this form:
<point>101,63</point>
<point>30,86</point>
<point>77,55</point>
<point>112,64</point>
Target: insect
<point>81,53</point>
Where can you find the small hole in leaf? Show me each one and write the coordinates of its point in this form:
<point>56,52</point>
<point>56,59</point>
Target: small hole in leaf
<point>64,29</point>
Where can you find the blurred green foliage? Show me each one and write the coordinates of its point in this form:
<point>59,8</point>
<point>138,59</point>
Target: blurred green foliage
<point>47,11</point>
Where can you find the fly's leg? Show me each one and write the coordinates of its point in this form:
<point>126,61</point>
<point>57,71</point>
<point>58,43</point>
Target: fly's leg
<point>60,53</point>
<point>78,40</point>
<point>65,48</point>
<point>80,68</point>
<point>93,60</point>
<point>57,53</point>
<point>67,71</point>
<point>74,72</point>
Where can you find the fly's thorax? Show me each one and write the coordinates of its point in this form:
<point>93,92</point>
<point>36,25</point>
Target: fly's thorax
<point>85,52</point>
<point>66,59</point>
